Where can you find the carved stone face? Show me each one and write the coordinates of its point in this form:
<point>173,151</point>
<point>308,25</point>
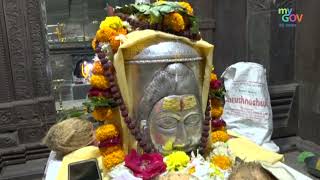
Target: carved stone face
<point>170,111</point>
<point>175,123</point>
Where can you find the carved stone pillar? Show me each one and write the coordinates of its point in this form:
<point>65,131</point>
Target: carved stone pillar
<point>26,102</point>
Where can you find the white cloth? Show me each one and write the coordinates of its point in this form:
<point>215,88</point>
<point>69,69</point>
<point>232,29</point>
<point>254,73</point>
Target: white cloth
<point>247,108</point>
<point>52,168</point>
<point>54,164</point>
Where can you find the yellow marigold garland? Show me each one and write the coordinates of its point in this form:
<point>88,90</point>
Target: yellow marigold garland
<point>114,43</point>
<point>187,6</point>
<point>102,113</point>
<point>104,35</point>
<point>112,159</point>
<point>215,102</point>
<point>99,81</point>
<point>94,43</point>
<point>219,135</point>
<point>222,161</point>
<point>106,131</point>
<point>216,112</point>
<point>113,22</point>
<point>107,150</point>
<point>174,21</point>
<point>213,77</point>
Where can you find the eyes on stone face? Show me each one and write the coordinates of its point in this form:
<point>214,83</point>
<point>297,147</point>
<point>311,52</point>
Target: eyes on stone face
<point>171,122</point>
<point>167,123</point>
<point>192,120</point>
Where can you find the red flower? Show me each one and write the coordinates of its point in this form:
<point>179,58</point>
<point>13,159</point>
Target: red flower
<point>109,142</point>
<point>94,92</point>
<point>215,84</point>
<point>146,166</point>
<point>218,124</point>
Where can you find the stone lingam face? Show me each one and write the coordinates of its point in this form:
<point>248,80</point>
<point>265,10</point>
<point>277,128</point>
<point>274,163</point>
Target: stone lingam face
<point>175,123</point>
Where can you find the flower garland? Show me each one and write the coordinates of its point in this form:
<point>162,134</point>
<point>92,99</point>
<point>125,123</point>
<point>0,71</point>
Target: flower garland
<point>216,96</point>
<point>171,17</point>
<point>109,145</point>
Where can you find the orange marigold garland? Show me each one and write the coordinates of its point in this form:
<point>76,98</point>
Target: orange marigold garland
<point>99,81</point>
<point>216,112</point>
<point>102,113</point>
<point>97,68</point>
<point>174,21</point>
<point>216,96</point>
<point>187,6</point>
<point>106,131</point>
<point>222,161</point>
<point>114,158</point>
<point>219,136</point>
<point>109,145</point>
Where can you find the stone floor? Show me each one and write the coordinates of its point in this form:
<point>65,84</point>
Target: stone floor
<point>291,148</point>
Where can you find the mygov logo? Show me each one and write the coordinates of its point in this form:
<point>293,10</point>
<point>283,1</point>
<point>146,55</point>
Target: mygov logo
<point>289,17</point>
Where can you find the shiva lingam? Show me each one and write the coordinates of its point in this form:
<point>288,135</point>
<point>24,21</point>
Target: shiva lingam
<point>164,82</point>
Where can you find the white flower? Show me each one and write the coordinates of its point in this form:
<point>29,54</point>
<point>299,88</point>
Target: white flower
<point>121,172</point>
<point>122,38</point>
<point>127,25</point>
<point>106,48</point>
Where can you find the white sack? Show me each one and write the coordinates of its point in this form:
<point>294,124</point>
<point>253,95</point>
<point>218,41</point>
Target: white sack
<point>247,108</point>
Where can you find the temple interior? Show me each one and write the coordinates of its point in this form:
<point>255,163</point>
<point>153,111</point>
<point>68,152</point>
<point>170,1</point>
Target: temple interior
<point>157,85</point>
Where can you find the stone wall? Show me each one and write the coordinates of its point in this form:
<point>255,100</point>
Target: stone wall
<point>26,104</point>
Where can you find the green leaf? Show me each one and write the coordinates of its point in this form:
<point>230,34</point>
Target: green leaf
<point>302,156</point>
<point>155,16</point>
<point>194,24</point>
<point>127,9</point>
<point>142,8</point>
<point>165,9</point>
<point>100,102</point>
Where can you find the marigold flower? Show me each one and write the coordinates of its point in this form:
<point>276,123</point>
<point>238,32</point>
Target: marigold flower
<point>122,31</point>
<point>113,159</point>
<point>192,170</point>
<point>174,21</point>
<point>106,131</point>
<point>215,102</point>
<point>94,43</point>
<point>216,112</point>
<point>114,44</point>
<point>102,113</point>
<point>97,68</point>
<point>177,161</point>
<point>113,22</point>
<point>219,136</point>
<point>222,161</point>
<point>99,81</point>
<point>213,77</point>
<point>104,35</point>
<point>107,150</point>
<point>187,6</point>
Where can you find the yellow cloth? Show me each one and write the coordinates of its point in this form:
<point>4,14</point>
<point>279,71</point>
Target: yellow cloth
<point>85,153</point>
<point>133,44</point>
<point>247,150</point>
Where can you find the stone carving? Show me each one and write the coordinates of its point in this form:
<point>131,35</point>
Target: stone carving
<point>31,134</point>
<point>26,105</point>
<point>5,116</point>
<point>39,74</point>
<point>5,71</point>
<point>8,139</point>
<point>16,39</point>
